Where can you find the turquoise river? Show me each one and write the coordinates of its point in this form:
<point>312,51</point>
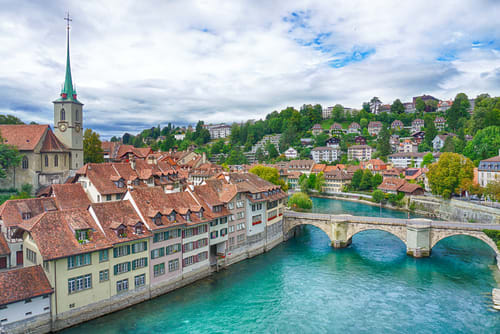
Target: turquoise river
<point>305,286</point>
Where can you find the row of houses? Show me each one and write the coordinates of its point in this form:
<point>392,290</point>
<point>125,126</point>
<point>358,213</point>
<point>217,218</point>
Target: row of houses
<point>98,257</point>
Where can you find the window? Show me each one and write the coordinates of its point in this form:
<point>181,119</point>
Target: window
<point>25,163</point>
<point>63,114</point>
<point>159,269</point>
<point>46,265</point>
<point>173,265</point>
<point>122,268</point>
<point>240,215</point>
<point>103,255</point>
<point>138,229</point>
<point>80,283</point>
<point>214,234</point>
<point>231,229</point>
<point>139,263</point>
<point>77,116</point>
<point>202,256</point>
<point>56,160</point>
<point>231,241</point>
<point>26,215</point>
<point>140,280</point>
<point>173,249</point>
<point>171,217</point>
<point>240,238</point>
<point>30,255</point>
<point>121,251</point>
<point>239,204</point>
<point>82,235</point>
<point>223,232</point>
<point>156,253</point>
<point>157,219</point>
<point>76,261</point>
<point>139,247</point>
<point>26,301</point>
<point>46,161</point>
<point>256,219</point>
<point>108,197</point>
<point>240,226</point>
<point>231,218</point>
<point>103,275</point>
<point>118,197</point>
<point>230,205</point>
<point>122,286</point>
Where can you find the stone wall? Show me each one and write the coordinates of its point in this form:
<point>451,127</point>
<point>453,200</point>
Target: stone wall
<point>455,210</point>
<point>35,325</point>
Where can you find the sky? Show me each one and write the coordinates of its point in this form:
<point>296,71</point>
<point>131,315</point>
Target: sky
<point>137,64</point>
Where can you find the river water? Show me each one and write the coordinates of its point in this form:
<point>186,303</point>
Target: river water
<point>305,286</point>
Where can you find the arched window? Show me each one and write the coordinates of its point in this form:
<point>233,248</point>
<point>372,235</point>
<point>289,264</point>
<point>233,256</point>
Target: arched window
<point>56,161</point>
<point>63,115</point>
<point>25,162</point>
<point>46,161</point>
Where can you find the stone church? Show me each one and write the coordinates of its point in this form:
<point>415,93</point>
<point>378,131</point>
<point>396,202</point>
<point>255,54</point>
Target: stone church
<point>48,156</point>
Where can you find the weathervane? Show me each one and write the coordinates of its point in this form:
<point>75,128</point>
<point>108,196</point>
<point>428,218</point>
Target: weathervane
<point>68,20</point>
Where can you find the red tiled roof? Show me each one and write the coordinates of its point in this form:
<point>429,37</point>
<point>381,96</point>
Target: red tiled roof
<point>101,176</point>
<point>54,233</point>
<point>24,137</point>
<point>11,212</point>
<point>70,196</point>
<point>23,283</point>
<point>391,184</point>
<point>52,144</point>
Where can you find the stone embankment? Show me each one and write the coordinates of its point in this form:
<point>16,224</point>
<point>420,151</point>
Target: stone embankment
<point>496,299</point>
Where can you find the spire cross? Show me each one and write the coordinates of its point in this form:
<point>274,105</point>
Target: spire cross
<point>68,20</point>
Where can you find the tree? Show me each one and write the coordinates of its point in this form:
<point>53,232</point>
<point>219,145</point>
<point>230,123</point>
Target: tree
<point>366,180</point>
<point>114,139</point>
<point>260,155</point>
<point>9,119</point>
<point>320,182</point>
<point>338,113</point>
<point>236,157</point>
<point>427,159</point>
<point>92,149</point>
<point>486,112</point>
<point>397,107</point>
<point>446,175</point>
<point>269,174</point>
<point>377,180</point>
<point>311,182</point>
<point>378,196</point>
<point>457,110</point>
<point>9,157</point>
<point>484,145</point>
<point>430,130</point>
<point>304,183</point>
<point>321,139</point>
<point>492,190</point>
<point>383,143</point>
<point>419,104</point>
<point>300,201</point>
<point>356,179</point>
<point>366,106</point>
<point>271,150</point>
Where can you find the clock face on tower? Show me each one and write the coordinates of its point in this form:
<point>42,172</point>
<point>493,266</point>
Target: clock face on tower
<point>62,127</point>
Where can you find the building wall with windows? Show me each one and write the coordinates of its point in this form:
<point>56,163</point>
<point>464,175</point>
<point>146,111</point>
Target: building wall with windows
<point>256,215</point>
<point>94,195</point>
<point>274,220</point>
<point>166,255</point>
<point>195,247</point>
<point>24,309</point>
<point>237,224</point>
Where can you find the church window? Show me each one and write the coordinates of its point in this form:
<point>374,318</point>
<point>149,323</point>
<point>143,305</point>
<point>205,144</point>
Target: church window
<point>77,117</point>
<point>25,163</point>
<point>63,114</point>
<point>46,161</point>
<point>56,161</point>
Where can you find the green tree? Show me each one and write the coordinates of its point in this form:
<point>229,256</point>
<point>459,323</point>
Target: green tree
<point>366,180</point>
<point>338,113</point>
<point>260,155</point>
<point>378,196</point>
<point>486,112</point>
<point>383,143</point>
<point>457,110</point>
<point>484,145</point>
<point>9,157</point>
<point>397,107</point>
<point>92,149</point>
<point>419,104</point>
<point>376,180</point>
<point>430,130</point>
<point>304,183</point>
<point>269,174</point>
<point>446,175</point>
<point>320,182</point>
<point>236,157</point>
<point>300,201</point>
<point>9,119</point>
<point>272,151</point>
<point>321,139</point>
<point>356,179</point>
<point>218,146</point>
<point>311,181</point>
<point>427,159</point>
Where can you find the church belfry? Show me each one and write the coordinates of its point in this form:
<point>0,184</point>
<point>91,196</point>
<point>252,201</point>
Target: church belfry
<point>68,117</point>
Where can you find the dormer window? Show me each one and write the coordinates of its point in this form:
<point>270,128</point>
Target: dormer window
<point>200,213</point>
<point>138,229</point>
<point>82,235</point>
<point>171,217</point>
<point>120,183</point>
<point>121,232</point>
<point>26,215</point>
<point>157,219</point>
<point>187,217</point>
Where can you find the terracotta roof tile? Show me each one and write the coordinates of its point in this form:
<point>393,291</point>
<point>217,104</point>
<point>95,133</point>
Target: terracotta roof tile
<point>11,212</point>
<point>23,283</point>
<point>70,196</point>
<point>24,137</point>
<point>52,144</point>
<point>4,246</point>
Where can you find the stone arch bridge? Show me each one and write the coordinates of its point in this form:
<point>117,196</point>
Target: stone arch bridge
<point>419,235</point>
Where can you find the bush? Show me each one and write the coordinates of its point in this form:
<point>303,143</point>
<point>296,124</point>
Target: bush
<point>300,201</point>
<point>378,196</point>
<point>494,235</point>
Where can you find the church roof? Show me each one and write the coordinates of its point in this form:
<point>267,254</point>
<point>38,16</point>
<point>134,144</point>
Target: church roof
<point>23,136</point>
<point>52,144</point>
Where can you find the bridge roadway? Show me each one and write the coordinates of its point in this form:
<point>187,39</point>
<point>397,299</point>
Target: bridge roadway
<point>420,235</point>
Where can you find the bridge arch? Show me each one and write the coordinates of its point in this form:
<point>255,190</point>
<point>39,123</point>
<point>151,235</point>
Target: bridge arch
<point>437,236</point>
<point>291,224</point>
<point>397,231</point>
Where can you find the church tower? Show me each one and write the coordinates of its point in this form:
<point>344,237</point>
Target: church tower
<point>68,117</point>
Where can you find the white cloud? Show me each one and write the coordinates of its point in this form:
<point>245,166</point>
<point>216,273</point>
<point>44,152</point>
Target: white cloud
<point>137,64</point>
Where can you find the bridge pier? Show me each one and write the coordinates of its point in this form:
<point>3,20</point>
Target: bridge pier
<point>418,241</point>
<point>339,233</point>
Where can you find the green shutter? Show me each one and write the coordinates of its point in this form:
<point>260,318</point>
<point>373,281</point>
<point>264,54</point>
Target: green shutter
<point>145,261</point>
<point>115,252</point>
<point>152,255</point>
<point>128,249</point>
<point>128,266</point>
<point>145,245</point>
<point>116,269</point>
<point>155,238</point>
<point>134,265</point>
<point>162,251</point>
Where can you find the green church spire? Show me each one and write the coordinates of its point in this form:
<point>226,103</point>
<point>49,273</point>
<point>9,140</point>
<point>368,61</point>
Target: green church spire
<point>68,92</point>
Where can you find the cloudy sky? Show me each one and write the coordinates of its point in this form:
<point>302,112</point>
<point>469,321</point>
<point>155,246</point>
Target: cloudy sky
<point>137,64</point>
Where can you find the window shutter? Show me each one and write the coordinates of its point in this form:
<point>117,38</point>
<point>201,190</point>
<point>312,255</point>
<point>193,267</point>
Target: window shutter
<point>128,249</point>
<point>183,234</point>
<point>134,264</point>
<point>162,251</point>
<point>152,256</point>
<point>145,245</point>
<point>116,269</point>
<point>128,266</point>
<point>133,249</point>
<point>183,248</point>
<point>145,261</point>
<point>155,238</point>
<point>115,252</point>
